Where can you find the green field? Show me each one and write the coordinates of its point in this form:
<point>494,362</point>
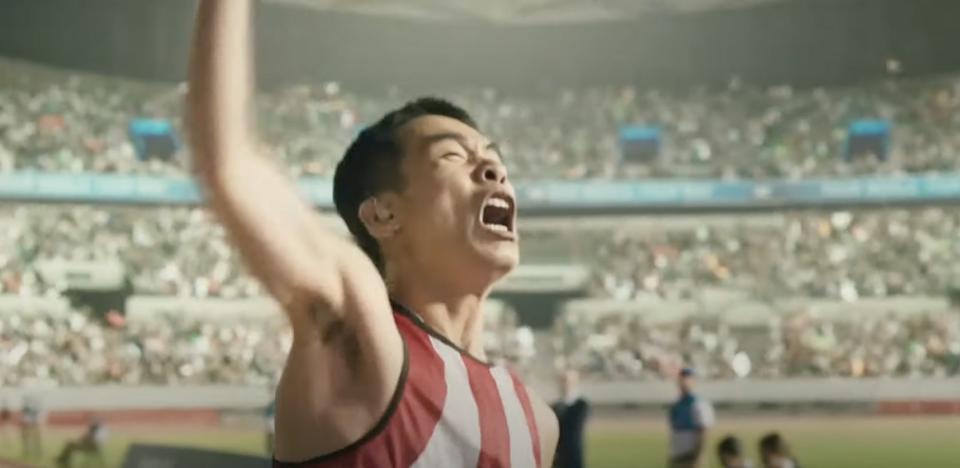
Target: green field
<point>823,442</point>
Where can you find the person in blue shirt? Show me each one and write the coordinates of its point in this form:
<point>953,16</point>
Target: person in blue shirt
<point>690,419</point>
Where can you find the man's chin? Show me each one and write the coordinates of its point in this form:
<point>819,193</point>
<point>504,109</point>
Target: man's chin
<point>503,263</point>
<point>500,260</point>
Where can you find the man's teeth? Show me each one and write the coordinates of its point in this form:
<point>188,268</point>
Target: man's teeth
<point>497,227</point>
<point>498,202</point>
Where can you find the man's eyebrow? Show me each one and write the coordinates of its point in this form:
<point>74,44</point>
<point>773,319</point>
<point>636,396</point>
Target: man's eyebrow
<point>461,139</point>
<point>430,140</point>
<point>495,147</point>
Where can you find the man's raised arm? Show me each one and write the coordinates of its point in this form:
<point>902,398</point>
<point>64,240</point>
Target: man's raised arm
<point>325,283</point>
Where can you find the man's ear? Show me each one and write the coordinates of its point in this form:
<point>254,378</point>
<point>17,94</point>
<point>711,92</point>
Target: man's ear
<point>379,217</point>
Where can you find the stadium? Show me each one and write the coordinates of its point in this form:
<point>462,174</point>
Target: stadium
<point>762,191</point>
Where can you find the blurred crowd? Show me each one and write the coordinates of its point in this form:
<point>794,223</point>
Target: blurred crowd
<point>79,349</point>
<point>58,121</point>
<point>838,255</point>
<point>76,349</point>
<point>51,120</point>
<point>843,255</point>
<point>625,346</point>
<point>164,251</point>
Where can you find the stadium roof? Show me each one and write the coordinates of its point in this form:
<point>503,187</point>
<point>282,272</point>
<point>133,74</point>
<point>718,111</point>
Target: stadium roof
<point>522,11</point>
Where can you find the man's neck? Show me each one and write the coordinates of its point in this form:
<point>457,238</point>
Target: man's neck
<point>458,316</point>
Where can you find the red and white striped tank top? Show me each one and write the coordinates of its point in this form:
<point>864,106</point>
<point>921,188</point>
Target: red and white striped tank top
<point>450,410</point>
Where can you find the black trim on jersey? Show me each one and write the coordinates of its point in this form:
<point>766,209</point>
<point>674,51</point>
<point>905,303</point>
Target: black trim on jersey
<point>377,429</point>
<point>430,331</point>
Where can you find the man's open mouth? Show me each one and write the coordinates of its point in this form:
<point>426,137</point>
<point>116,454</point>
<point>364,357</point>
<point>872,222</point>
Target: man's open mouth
<point>497,214</point>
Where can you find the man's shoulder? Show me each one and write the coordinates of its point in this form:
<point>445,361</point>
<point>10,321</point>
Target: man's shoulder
<point>548,427</point>
<point>541,409</point>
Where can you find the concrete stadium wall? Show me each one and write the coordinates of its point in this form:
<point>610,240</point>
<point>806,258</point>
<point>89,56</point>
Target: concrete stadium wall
<point>786,391</point>
<point>140,398</point>
<point>799,42</point>
<point>206,404</point>
<point>155,405</point>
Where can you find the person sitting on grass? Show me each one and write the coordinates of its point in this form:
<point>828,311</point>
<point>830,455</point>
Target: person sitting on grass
<point>730,453</point>
<point>6,418</point>
<point>90,443</point>
<point>775,453</point>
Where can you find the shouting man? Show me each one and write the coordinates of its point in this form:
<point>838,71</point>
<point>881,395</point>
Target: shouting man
<point>387,367</point>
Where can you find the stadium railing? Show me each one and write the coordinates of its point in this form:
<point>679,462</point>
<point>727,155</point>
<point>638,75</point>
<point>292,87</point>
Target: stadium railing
<point>534,196</point>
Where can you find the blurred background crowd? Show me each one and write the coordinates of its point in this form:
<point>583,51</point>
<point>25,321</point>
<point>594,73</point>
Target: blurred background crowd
<point>54,121</point>
<point>840,255</point>
<point>625,346</point>
<point>164,251</point>
<point>77,349</point>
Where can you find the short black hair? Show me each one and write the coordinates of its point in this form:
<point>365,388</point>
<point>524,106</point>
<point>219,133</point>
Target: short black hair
<point>730,446</point>
<point>371,165</point>
<point>773,443</point>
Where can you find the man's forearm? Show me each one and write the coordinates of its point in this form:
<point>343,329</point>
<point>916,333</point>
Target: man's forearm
<point>221,83</point>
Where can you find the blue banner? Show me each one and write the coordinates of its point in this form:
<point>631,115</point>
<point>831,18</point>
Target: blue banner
<point>94,188</point>
<point>153,138</point>
<point>541,195</point>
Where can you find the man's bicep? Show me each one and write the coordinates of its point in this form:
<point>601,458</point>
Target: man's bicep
<point>351,319</point>
<point>358,359</point>
<point>338,377</point>
<point>377,347</point>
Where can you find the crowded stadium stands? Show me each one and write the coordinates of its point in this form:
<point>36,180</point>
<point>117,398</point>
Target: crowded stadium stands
<point>76,348</point>
<point>629,346</point>
<point>60,121</point>
<point>840,255</point>
<point>786,261</point>
<point>843,255</point>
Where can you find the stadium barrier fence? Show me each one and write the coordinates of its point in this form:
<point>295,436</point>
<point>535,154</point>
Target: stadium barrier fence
<point>534,196</point>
